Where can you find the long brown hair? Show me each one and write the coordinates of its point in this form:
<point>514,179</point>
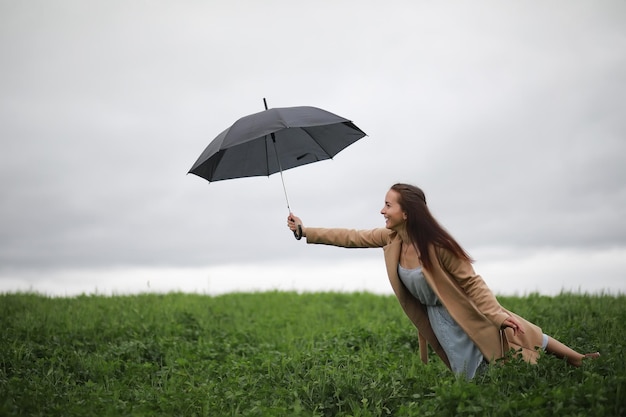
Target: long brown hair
<point>422,228</point>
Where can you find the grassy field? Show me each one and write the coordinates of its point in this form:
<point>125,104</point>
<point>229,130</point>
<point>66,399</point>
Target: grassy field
<point>287,354</point>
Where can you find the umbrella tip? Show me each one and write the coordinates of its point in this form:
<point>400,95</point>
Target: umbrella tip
<point>265,103</point>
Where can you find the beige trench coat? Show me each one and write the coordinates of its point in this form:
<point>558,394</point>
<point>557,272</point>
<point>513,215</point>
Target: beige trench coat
<point>462,292</point>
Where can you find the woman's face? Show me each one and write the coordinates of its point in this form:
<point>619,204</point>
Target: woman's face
<point>395,217</point>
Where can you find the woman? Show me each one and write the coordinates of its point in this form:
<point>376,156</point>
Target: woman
<point>433,278</point>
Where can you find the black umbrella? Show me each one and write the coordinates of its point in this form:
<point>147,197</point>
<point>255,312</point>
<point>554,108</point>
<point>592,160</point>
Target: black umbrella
<point>275,140</point>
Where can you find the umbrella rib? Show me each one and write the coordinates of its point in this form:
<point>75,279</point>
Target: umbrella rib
<point>314,140</point>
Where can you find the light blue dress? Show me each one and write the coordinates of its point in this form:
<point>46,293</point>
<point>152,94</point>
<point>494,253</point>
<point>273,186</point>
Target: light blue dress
<point>465,358</point>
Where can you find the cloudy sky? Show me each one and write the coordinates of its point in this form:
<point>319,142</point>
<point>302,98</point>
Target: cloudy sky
<point>510,115</point>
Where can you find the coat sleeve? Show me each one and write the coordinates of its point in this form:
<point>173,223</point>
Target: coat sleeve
<point>474,286</point>
<point>348,238</point>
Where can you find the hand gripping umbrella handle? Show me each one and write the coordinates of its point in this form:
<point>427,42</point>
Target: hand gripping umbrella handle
<point>298,233</point>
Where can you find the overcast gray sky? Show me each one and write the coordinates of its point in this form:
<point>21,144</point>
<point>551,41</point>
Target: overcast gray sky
<point>510,115</point>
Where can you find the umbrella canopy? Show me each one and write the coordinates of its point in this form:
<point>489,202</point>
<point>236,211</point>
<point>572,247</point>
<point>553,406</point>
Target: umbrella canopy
<point>274,140</point>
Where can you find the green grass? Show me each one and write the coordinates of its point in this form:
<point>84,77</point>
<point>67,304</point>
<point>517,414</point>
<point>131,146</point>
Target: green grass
<point>287,354</point>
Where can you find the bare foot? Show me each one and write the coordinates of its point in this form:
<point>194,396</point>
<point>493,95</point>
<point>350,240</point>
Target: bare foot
<point>579,361</point>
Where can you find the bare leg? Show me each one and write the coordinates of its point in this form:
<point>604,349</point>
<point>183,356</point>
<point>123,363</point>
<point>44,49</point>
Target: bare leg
<point>574,358</point>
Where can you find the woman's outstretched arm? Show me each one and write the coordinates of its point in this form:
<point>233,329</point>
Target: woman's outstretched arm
<point>346,238</point>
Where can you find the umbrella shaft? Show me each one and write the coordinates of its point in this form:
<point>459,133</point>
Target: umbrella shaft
<point>280,168</point>
<point>285,190</point>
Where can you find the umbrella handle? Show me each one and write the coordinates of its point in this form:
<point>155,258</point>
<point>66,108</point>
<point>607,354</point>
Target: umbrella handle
<point>298,233</point>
